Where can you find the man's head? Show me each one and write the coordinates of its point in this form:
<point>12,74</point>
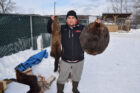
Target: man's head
<point>71,18</point>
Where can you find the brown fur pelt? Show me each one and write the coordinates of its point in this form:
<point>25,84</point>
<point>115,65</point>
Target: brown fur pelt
<point>38,84</point>
<point>56,42</point>
<point>30,80</point>
<point>43,83</point>
<point>94,38</point>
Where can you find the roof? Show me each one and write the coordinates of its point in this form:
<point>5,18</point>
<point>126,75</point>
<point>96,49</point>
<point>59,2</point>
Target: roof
<point>121,15</point>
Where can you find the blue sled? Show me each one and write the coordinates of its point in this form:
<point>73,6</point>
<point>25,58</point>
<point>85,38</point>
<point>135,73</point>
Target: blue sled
<point>33,60</point>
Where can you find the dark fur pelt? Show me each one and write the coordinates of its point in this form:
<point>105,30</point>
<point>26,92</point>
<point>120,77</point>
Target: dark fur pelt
<point>56,43</point>
<point>30,80</point>
<point>94,38</point>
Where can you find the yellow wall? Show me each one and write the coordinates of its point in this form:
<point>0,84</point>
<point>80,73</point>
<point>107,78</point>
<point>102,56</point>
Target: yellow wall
<point>112,28</point>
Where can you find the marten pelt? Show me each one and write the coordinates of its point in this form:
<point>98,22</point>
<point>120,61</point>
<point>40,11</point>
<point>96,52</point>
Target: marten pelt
<point>38,84</point>
<point>94,38</point>
<point>56,42</point>
<point>30,80</point>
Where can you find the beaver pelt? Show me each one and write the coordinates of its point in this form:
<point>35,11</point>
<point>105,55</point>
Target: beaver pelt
<point>56,42</point>
<point>94,38</point>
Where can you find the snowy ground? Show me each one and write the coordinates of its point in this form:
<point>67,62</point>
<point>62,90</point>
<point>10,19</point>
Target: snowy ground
<point>117,70</point>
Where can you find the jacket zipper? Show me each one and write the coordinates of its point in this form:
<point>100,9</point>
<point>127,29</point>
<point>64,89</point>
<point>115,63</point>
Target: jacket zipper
<point>72,45</point>
<point>69,33</point>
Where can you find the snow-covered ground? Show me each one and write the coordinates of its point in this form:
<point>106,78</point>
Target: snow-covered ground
<point>11,88</point>
<point>117,70</point>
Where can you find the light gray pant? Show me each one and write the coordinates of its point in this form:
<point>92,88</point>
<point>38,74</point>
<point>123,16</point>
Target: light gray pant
<point>66,68</point>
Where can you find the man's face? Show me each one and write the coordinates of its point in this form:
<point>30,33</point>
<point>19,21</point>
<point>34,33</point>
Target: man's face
<point>71,20</point>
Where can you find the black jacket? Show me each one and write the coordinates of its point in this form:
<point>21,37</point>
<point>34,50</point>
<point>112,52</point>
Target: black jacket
<point>71,48</point>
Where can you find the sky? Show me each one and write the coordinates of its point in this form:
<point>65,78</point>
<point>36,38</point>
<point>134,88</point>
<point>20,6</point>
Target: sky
<point>46,7</point>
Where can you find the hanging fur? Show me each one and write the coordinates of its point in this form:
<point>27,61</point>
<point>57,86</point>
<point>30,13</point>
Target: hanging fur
<point>56,43</point>
<point>94,38</point>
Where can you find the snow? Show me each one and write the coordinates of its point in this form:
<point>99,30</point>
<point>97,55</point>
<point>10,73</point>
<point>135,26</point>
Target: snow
<point>111,23</point>
<point>117,70</point>
<point>39,43</point>
<point>11,88</point>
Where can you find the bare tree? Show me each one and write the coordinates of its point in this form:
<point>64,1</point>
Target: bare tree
<point>6,6</point>
<point>114,6</point>
<point>136,14</point>
<point>120,6</point>
<point>126,6</point>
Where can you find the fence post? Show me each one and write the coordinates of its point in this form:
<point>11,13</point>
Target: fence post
<point>31,29</point>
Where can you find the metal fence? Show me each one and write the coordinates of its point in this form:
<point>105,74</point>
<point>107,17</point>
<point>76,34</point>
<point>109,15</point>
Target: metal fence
<point>20,32</point>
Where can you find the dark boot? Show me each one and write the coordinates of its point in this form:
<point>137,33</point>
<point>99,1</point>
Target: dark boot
<point>60,88</point>
<point>75,87</point>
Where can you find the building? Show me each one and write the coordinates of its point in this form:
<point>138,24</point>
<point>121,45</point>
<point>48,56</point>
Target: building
<point>117,21</point>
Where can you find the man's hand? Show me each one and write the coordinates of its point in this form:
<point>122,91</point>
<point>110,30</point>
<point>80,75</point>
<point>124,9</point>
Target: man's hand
<point>52,17</point>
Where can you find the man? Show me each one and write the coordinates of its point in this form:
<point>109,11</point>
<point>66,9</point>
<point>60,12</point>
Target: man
<point>72,53</point>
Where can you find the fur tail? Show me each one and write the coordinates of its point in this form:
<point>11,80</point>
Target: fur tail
<point>56,64</point>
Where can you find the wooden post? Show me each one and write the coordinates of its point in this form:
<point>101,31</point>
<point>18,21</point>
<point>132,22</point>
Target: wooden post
<point>104,17</point>
<point>2,85</point>
<point>115,18</point>
<point>54,7</point>
<point>129,23</point>
<point>31,29</point>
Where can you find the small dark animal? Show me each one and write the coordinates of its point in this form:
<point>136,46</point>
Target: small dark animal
<point>94,38</point>
<point>56,42</point>
<point>30,80</point>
